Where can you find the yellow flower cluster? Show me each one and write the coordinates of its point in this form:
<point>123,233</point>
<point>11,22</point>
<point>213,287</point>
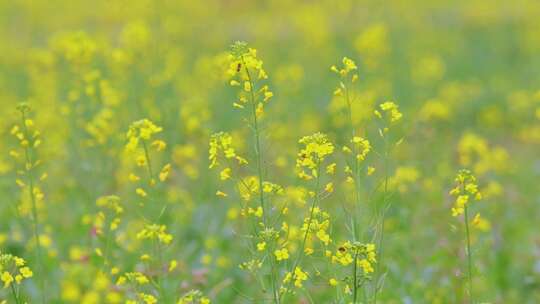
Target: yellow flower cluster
<point>480,223</point>
<point>136,280</point>
<point>29,139</point>
<point>111,208</point>
<point>315,149</point>
<point>221,143</point>
<point>348,68</point>
<point>251,265</point>
<point>132,277</point>
<point>361,147</point>
<point>153,232</point>
<point>281,254</point>
<point>26,133</point>
<point>140,134</point>
<point>298,276</point>
<point>13,269</point>
<point>246,70</point>
<point>143,298</point>
<point>193,297</point>
<point>363,254</point>
<point>319,224</point>
<point>465,188</point>
<point>142,131</point>
<point>391,109</point>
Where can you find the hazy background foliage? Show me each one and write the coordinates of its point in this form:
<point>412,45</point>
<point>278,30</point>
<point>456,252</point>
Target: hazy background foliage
<point>465,74</point>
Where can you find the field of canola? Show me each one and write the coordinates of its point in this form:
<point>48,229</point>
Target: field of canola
<point>277,152</point>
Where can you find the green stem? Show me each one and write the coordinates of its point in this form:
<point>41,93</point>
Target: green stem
<point>14,292</point>
<point>355,282</point>
<point>151,178</point>
<point>148,162</point>
<point>273,277</point>
<point>469,255</point>
<point>155,243</point>
<point>158,253</point>
<point>29,166</point>
<point>356,167</point>
<point>310,220</point>
<point>383,218</point>
<point>107,246</point>
<point>258,156</point>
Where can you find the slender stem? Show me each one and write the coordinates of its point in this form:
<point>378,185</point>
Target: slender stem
<point>107,246</point>
<point>383,217</point>
<point>469,255</point>
<point>356,166</point>
<point>310,220</point>
<point>151,180</point>
<point>355,282</point>
<point>273,277</point>
<point>14,292</point>
<point>357,192</point>
<point>29,166</point>
<point>258,156</point>
<point>364,295</point>
<point>155,243</point>
<point>148,162</point>
<point>158,253</point>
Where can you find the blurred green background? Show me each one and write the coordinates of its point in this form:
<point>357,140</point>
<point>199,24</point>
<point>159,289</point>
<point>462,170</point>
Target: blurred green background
<point>464,73</point>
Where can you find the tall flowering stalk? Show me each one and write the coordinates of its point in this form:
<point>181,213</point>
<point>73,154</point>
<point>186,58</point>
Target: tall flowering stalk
<point>465,190</point>
<point>13,271</point>
<point>142,142</point>
<point>139,285</point>
<point>359,148</point>
<point>246,72</point>
<point>388,114</point>
<point>354,264</point>
<point>310,165</point>
<point>106,222</point>
<point>29,140</point>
